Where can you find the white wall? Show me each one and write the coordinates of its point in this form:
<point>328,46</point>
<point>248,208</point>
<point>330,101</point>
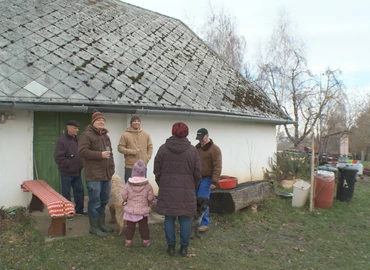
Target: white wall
<point>116,124</point>
<point>15,159</point>
<point>245,147</point>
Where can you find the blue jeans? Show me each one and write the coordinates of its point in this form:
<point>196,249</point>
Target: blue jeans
<point>74,182</point>
<point>99,195</point>
<point>185,230</point>
<point>204,189</point>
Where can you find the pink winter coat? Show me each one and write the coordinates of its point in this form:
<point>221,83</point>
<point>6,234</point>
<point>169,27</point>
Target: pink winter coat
<point>138,193</point>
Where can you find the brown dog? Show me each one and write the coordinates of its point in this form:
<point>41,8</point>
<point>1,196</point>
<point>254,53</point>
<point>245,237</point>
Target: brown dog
<point>115,203</point>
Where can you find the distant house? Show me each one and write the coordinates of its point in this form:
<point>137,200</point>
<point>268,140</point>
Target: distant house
<point>60,59</point>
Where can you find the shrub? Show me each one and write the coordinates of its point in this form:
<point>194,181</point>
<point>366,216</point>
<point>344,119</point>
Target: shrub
<point>288,165</point>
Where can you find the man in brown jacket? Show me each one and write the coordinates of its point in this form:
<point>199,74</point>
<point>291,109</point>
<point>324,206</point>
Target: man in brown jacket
<point>94,146</point>
<point>135,144</point>
<point>211,159</point>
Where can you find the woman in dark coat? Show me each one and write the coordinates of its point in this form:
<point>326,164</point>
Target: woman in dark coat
<point>177,171</point>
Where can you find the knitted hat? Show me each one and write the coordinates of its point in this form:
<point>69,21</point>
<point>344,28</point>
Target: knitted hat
<point>138,169</point>
<point>180,130</point>
<point>96,115</point>
<point>133,118</point>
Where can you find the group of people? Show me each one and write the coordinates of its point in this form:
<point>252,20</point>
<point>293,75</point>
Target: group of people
<point>182,172</point>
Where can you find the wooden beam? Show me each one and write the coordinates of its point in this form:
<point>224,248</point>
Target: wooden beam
<point>244,195</point>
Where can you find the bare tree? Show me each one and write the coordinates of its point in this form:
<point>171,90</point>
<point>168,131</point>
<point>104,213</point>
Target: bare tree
<point>285,76</point>
<point>252,161</point>
<point>220,33</point>
<point>360,131</point>
<point>331,126</point>
<point>360,137</point>
<point>342,118</point>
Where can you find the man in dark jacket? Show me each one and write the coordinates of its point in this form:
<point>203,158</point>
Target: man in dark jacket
<point>70,166</point>
<point>177,171</point>
<point>95,147</point>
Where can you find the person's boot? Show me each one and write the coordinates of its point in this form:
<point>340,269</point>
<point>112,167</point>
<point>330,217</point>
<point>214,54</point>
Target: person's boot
<point>147,243</point>
<point>102,225</point>
<point>94,227</point>
<point>183,251</point>
<point>171,250</point>
<point>113,219</point>
<point>128,244</point>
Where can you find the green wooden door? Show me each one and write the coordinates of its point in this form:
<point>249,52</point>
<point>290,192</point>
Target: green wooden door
<point>48,126</point>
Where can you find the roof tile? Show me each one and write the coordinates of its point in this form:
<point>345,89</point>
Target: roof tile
<point>63,90</point>
<point>8,87</point>
<point>6,70</point>
<point>47,80</point>
<point>87,91</point>
<point>20,79</point>
<point>52,95</point>
<point>39,51</point>
<point>72,82</point>
<point>42,65</point>
<point>33,87</point>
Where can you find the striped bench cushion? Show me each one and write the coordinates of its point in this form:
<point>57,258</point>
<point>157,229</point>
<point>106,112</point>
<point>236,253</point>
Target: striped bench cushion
<point>57,205</point>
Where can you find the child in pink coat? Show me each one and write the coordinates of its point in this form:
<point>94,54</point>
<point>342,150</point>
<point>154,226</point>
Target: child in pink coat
<point>138,198</point>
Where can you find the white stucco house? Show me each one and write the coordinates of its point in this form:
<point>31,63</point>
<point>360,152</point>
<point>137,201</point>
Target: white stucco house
<point>60,59</point>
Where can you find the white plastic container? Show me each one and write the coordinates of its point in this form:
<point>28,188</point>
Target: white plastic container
<point>359,167</point>
<point>301,189</point>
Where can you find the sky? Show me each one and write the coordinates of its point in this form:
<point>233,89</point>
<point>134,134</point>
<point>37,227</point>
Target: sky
<point>337,33</point>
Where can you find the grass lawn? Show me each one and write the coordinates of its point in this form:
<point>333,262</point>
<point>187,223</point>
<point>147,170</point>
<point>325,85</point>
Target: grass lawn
<point>276,237</point>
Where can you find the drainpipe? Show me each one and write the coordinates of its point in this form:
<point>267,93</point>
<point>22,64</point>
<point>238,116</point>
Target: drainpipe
<point>133,110</point>
<point>42,107</point>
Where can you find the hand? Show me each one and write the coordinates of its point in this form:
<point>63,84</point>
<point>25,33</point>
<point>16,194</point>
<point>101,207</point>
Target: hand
<point>213,186</point>
<point>105,154</point>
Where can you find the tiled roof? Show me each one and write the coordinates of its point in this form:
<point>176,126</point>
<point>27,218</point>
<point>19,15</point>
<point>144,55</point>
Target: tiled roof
<point>106,52</point>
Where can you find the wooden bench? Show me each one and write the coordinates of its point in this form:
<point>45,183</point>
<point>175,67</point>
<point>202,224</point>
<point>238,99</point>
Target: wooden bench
<point>59,207</point>
<point>244,195</point>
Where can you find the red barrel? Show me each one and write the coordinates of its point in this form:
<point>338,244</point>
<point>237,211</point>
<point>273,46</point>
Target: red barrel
<point>324,190</point>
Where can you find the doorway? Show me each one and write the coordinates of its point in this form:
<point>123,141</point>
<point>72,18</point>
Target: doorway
<point>48,126</point>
